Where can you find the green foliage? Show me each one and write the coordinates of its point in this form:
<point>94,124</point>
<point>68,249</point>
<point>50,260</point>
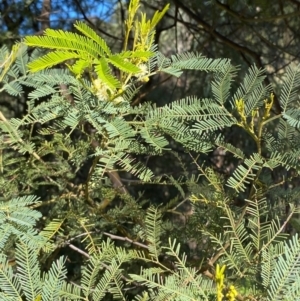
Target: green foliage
<point>244,214</point>
<point>27,280</point>
<point>17,221</point>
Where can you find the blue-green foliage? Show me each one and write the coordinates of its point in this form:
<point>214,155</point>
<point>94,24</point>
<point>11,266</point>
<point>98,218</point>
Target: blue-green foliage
<point>81,117</point>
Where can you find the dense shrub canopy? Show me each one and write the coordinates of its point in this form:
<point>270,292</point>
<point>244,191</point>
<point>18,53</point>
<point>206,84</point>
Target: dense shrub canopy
<point>150,152</point>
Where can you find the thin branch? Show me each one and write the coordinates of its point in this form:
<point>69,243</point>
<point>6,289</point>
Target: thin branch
<point>112,236</point>
<point>87,19</point>
<point>45,15</point>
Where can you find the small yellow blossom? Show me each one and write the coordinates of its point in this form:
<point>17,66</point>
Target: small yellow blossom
<point>219,278</point>
<point>232,293</point>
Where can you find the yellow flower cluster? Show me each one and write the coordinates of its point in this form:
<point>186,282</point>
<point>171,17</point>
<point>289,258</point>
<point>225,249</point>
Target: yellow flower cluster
<point>219,278</point>
<point>232,293</point>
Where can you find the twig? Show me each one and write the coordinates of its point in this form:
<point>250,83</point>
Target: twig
<point>112,236</point>
<point>79,250</point>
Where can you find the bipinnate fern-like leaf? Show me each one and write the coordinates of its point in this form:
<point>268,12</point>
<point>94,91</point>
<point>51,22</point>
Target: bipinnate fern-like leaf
<point>17,211</point>
<point>124,161</point>
<point>293,117</point>
<point>88,50</point>
<point>195,61</point>
<point>257,246</point>
<point>289,96</point>
<point>183,284</point>
<point>70,291</point>
<point>11,129</point>
<point>123,65</point>
<point>104,74</point>
<point>153,137</point>
<point>212,123</point>
<point>227,147</point>
<point>14,70</point>
<point>90,274</point>
<point>110,281</point>
<point>88,32</point>
<point>243,175</point>
<point>232,257</point>
<point>4,52</point>
<point>28,271</point>
<point>263,232</point>
<point>183,134</point>
<point>52,59</point>
<point>285,280</point>
<point>138,169</point>
<point>18,219</point>
<point>153,231</point>
<point>289,90</point>
<point>252,91</point>
<point>53,228</point>
<point>110,259</point>
<point>10,286</point>
<point>285,131</point>
<point>8,67</point>
<point>22,60</point>
<point>206,114</point>
<point>66,41</point>
<point>222,83</point>
<point>118,127</point>
<point>26,281</point>
<point>53,280</point>
<point>287,160</point>
<point>239,239</point>
<point>190,61</point>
